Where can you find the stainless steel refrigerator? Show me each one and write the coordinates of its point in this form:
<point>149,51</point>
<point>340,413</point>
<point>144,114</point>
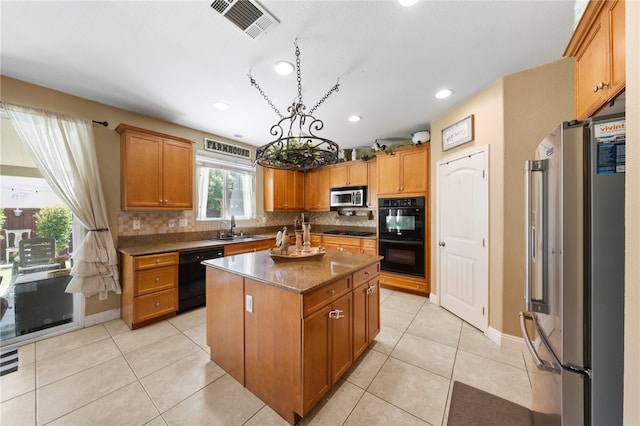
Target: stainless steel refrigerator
<point>573,316</point>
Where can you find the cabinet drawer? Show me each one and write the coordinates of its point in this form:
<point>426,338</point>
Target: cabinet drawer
<point>319,297</point>
<point>367,243</point>
<point>154,260</point>
<point>316,240</point>
<point>365,274</point>
<point>150,280</point>
<point>341,241</point>
<point>154,305</point>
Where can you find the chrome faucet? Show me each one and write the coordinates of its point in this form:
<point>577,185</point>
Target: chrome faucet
<point>233,225</point>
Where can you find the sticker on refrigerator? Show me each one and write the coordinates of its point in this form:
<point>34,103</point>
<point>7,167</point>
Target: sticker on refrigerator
<point>610,138</point>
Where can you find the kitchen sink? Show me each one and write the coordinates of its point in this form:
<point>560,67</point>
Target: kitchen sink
<point>238,237</point>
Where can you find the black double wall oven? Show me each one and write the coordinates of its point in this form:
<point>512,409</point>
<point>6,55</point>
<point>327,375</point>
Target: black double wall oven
<point>401,225</point>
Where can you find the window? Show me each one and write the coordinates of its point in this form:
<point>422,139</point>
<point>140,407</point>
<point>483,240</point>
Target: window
<point>226,187</point>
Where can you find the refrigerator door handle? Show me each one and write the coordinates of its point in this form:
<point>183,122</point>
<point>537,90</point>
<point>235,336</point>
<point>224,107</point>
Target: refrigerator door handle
<point>530,303</point>
<point>556,364</point>
<point>540,363</point>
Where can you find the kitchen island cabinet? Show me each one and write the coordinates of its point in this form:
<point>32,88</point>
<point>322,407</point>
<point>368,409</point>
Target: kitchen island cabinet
<point>286,331</point>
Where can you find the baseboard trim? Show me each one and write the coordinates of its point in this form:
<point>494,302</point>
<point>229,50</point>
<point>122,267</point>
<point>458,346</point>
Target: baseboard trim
<point>506,340</point>
<point>433,298</point>
<point>101,317</point>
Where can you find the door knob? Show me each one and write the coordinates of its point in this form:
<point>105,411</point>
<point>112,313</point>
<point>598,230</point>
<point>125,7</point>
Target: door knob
<point>441,243</point>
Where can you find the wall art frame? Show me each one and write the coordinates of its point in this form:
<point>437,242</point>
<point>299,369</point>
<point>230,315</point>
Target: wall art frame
<point>458,133</point>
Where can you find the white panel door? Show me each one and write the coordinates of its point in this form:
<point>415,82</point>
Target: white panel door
<point>462,237</point>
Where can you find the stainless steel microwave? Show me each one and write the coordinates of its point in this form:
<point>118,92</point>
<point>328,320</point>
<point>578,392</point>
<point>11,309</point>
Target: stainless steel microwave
<point>353,196</point>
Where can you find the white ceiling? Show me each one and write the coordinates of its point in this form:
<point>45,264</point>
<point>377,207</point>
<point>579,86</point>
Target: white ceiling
<point>173,59</point>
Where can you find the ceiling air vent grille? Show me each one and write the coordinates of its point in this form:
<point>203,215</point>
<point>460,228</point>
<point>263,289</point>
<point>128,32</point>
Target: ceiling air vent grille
<point>247,15</point>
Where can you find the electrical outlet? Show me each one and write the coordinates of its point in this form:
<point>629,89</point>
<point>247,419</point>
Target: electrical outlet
<point>172,223</point>
<point>136,224</point>
<point>183,222</point>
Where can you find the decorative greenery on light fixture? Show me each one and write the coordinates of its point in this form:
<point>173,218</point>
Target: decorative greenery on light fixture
<point>296,146</point>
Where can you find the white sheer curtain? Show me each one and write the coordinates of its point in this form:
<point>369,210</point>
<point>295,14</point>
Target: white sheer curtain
<point>63,149</point>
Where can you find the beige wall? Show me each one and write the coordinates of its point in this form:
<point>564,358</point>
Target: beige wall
<point>511,116</point>
<point>632,232</point>
<point>107,142</point>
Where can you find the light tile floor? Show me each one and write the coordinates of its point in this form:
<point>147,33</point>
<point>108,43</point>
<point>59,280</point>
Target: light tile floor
<point>162,375</point>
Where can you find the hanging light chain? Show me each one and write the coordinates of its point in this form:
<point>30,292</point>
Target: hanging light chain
<point>299,74</point>
<point>324,98</point>
<point>264,95</point>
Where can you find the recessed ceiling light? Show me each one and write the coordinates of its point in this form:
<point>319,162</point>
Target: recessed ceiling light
<point>407,2</point>
<point>221,105</point>
<point>355,118</point>
<point>444,93</point>
<point>284,68</point>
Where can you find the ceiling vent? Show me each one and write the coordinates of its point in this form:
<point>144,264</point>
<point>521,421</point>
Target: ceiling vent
<point>247,15</point>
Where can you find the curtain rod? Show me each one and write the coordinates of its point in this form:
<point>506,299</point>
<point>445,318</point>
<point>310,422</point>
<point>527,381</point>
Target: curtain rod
<point>3,114</point>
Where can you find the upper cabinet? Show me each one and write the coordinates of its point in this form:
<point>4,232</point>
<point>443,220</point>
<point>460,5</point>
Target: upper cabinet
<point>372,190</point>
<point>598,44</point>
<point>317,185</point>
<point>350,173</point>
<point>156,170</point>
<point>404,171</point>
<point>283,190</point>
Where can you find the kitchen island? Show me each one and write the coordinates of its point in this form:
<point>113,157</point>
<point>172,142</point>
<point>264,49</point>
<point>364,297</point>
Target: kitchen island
<point>288,331</point>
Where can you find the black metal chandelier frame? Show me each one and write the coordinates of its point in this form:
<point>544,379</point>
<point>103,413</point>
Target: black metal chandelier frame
<point>296,146</point>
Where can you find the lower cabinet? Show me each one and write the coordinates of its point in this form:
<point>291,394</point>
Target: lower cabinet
<point>294,347</point>
<point>149,288</point>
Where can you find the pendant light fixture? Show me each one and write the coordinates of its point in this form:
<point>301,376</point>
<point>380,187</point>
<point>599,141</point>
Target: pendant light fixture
<point>296,146</point>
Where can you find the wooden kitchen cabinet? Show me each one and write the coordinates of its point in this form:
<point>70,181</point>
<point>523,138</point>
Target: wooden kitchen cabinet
<point>366,308</point>
<point>283,190</point>
<point>403,172</point>
<point>598,44</point>
<point>350,173</point>
<point>317,184</point>
<point>149,288</point>
<point>156,170</point>
<point>372,188</point>
<point>285,347</point>
<point>248,246</point>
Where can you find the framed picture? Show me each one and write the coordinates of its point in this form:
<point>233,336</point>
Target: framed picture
<point>458,133</point>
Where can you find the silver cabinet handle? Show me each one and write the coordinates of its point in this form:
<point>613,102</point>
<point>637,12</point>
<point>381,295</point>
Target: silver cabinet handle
<point>336,314</point>
<point>441,243</point>
<point>600,86</point>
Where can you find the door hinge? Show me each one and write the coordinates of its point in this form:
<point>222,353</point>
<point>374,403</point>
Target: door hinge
<point>483,242</point>
<point>483,311</point>
<point>483,174</point>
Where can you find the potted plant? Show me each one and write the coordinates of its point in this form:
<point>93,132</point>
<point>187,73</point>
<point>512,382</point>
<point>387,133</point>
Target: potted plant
<point>54,222</point>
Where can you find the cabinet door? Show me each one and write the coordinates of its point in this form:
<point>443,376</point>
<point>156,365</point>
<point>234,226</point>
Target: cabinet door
<point>339,176</point>
<point>358,174</point>
<point>360,321</point>
<point>296,181</point>
<point>373,308</point>
<point>372,190</point>
<point>617,46</point>
<point>177,171</point>
<point>341,337</point>
<point>388,174</point>
<point>141,173</point>
<point>316,357</point>
<point>415,166</point>
<point>592,69</point>
<point>316,184</point>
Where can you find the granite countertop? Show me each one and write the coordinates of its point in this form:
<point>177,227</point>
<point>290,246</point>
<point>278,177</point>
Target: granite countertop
<point>187,245</point>
<point>297,276</point>
<point>154,248</point>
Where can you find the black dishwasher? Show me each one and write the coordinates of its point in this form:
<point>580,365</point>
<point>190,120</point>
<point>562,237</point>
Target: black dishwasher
<point>191,277</point>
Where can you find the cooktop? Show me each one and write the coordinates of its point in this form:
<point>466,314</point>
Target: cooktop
<point>350,233</point>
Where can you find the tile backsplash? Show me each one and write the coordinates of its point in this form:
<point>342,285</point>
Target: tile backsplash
<point>152,223</point>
